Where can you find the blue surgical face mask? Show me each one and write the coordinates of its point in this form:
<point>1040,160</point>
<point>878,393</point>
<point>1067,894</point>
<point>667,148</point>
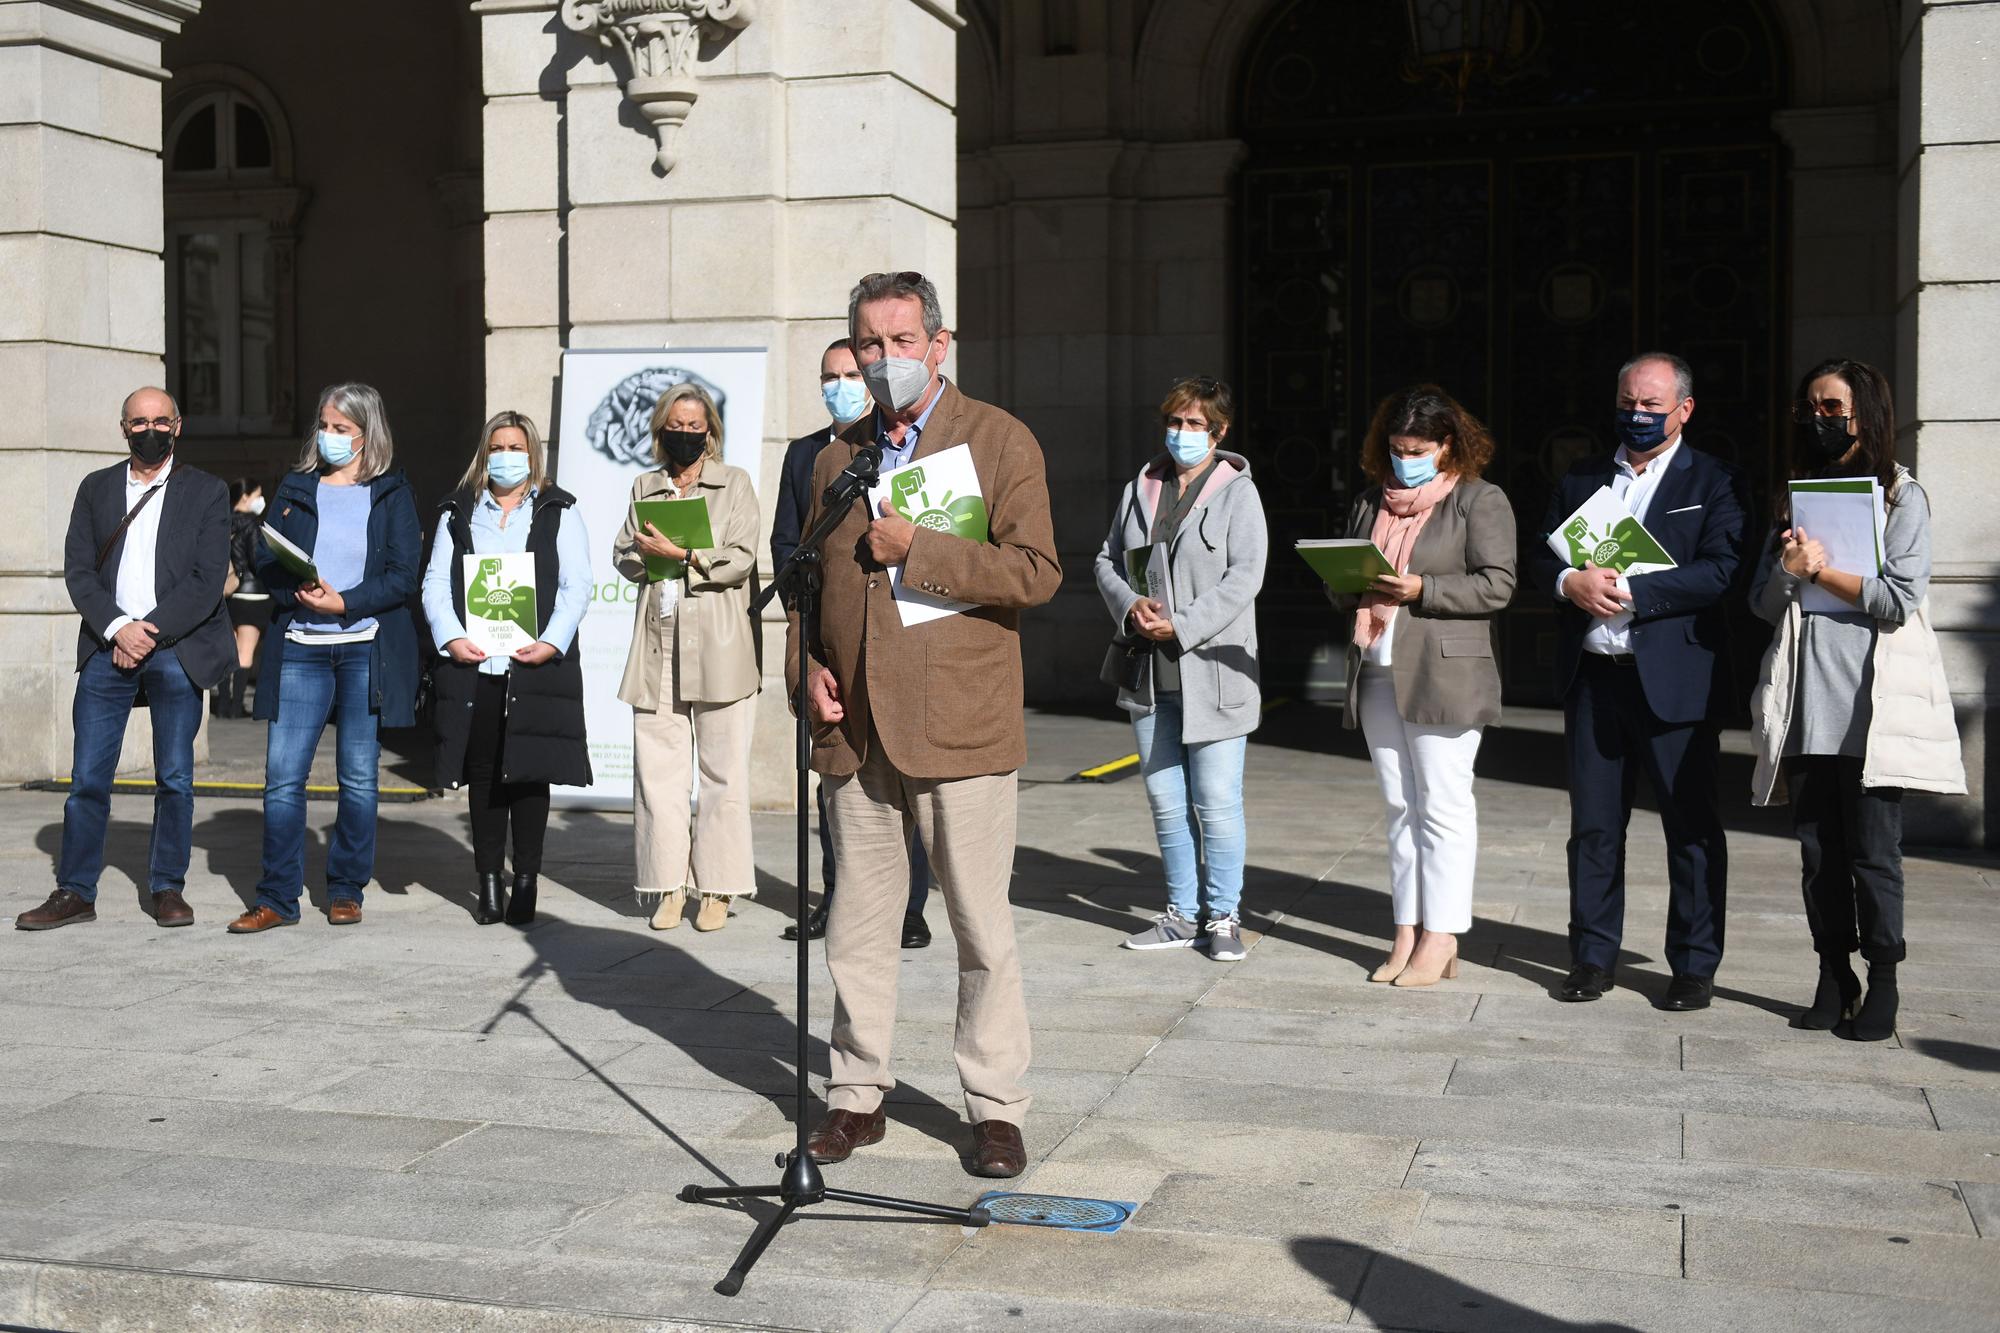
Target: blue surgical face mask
<point>336,450</point>
<point>1641,431</point>
<point>846,399</point>
<point>507,469</point>
<point>1188,447</point>
<point>1416,471</point>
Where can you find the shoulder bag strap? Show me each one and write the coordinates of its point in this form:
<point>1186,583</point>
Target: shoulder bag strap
<point>104,551</point>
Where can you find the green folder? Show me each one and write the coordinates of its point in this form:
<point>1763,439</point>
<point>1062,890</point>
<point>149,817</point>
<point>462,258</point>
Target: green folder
<point>682,522</point>
<point>1348,564</point>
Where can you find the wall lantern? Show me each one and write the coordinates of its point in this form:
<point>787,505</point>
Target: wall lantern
<point>1453,41</point>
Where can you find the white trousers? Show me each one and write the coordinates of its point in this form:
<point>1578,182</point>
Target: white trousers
<point>1426,777</point>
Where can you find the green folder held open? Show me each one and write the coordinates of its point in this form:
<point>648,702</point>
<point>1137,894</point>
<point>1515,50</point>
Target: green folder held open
<point>682,522</point>
<point>1348,564</point>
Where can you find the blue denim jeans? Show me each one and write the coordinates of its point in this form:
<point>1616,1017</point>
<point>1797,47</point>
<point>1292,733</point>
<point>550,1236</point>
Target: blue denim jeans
<point>104,698</point>
<point>319,681</point>
<point>1196,792</point>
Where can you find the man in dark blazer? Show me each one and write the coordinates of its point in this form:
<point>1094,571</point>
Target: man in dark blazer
<point>847,401</point>
<point>1644,682</point>
<point>145,560</point>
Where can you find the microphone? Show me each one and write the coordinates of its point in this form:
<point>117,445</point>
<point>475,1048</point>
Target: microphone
<point>856,477</point>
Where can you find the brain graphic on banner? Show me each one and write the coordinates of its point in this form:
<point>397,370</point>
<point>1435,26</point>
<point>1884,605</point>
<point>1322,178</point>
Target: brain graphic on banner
<point>621,426</point>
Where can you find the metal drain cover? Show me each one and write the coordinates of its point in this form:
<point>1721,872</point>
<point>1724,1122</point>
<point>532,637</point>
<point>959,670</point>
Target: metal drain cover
<point>1057,1210</point>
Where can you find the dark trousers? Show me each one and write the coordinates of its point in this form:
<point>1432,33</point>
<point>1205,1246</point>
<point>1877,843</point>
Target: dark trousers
<point>105,696</point>
<point>920,864</point>
<point>495,803</point>
<point>1851,853</point>
<point>1612,735</point>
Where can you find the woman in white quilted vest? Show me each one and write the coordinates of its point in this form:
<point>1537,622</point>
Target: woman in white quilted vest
<point>1851,708</point>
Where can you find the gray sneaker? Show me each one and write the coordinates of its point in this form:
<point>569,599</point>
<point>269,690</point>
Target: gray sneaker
<point>1225,940</point>
<point>1170,931</point>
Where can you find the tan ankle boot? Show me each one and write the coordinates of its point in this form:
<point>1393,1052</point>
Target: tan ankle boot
<point>714,912</point>
<point>668,914</point>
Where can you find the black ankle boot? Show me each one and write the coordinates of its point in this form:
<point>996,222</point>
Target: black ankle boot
<point>521,907</point>
<point>1837,998</point>
<point>1877,1019</point>
<point>492,901</point>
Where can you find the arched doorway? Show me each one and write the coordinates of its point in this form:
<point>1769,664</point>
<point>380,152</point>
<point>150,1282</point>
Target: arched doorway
<point>1614,187</point>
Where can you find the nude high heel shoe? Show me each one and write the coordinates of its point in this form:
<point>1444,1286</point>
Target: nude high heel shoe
<point>668,914</point>
<point>1410,976</point>
<point>1389,971</point>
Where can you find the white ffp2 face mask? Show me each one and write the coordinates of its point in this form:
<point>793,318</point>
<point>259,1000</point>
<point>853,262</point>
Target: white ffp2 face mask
<point>896,382</point>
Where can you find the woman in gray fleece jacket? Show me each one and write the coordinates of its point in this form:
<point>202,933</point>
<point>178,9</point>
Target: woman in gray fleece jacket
<point>1180,571</point>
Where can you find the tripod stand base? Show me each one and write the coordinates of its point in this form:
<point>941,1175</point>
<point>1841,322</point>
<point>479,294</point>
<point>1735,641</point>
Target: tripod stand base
<point>802,1187</point>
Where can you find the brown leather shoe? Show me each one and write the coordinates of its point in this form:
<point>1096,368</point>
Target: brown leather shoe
<point>997,1150</point>
<point>62,909</point>
<point>259,918</point>
<point>170,909</point>
<point>842,1132</point>
<point>343,912</point>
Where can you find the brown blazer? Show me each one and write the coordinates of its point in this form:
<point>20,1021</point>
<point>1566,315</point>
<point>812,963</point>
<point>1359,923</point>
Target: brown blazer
<point>1441,652</point>
<point>943,696</point>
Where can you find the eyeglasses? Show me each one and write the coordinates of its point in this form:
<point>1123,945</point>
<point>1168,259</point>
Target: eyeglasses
<point>155,423</point>
<point>1804,412</point>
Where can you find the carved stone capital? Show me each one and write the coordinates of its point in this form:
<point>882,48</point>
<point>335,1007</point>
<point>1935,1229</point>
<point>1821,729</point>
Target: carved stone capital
<point>662,43</point>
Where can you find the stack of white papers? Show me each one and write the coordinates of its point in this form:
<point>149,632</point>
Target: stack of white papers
<point>1846,516</point>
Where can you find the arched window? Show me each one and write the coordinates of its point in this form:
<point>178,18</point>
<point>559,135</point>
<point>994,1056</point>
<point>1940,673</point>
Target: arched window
<point>232,214</point>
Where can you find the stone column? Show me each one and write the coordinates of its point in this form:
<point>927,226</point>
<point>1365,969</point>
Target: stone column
<point>82,318</point>
<point>1948,340</point>
<point>819,145</point>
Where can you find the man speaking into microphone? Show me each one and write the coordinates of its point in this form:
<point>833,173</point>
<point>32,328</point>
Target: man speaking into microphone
<point>921,724</point>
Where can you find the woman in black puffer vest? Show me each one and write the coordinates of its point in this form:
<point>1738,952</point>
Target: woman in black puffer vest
<point>509,700</point>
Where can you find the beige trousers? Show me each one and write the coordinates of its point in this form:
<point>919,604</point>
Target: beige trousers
<point>968,829</point>
<point>707,848</point>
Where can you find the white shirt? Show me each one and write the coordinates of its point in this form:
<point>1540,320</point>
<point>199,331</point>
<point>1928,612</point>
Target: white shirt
<point>1613,634</point>
<point>137,590</point>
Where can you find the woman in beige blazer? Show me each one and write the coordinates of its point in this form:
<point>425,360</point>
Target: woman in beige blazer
<point>691,676</point>
<point>1421,678</point>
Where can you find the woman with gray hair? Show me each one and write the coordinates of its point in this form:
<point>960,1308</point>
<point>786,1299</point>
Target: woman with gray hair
<point>342,646</point>
<point>691,676</point>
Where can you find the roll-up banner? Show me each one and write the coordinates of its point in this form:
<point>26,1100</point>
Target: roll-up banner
<point>604,442</point>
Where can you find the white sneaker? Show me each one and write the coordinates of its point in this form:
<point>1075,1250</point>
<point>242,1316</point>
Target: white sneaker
<point>1170,931</point>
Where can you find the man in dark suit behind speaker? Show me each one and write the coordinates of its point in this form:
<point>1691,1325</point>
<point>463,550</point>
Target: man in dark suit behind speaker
<point>145,561</point>
<point>1644,680</point>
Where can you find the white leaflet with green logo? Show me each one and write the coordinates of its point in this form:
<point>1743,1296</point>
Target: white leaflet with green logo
<point>500,602</point>
<point>1604,533</point>
<point>939,492</point>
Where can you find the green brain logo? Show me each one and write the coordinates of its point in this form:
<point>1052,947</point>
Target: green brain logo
<point>962,516</point>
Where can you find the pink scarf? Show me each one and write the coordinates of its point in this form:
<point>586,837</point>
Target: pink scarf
<point>1397,523</point>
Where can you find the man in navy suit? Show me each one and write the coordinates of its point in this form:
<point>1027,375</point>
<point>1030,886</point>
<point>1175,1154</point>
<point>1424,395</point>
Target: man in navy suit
<point>145,560</point>
<point>1644,683</point>
<point>847,401</point>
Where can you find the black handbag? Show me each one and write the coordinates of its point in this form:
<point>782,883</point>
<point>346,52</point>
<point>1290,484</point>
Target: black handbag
<point>1125,663</point>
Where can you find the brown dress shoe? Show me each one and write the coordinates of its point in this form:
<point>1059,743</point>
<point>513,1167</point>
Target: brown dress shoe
<point>997,1150</point>
<point>343,912</point>
<point>842,1132</point>
<point>259,918</point>
<point>170,909</point>
<point>62,908</point>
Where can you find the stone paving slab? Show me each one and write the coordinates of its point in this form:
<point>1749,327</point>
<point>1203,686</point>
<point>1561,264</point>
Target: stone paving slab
<point>423,1124</point>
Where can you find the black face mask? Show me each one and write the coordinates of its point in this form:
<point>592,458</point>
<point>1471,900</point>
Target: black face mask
<point>683,447</point>
<point>152,446</point>
<point>1824,441</point>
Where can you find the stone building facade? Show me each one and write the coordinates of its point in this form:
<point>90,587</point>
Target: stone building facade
<point>1110,193</point>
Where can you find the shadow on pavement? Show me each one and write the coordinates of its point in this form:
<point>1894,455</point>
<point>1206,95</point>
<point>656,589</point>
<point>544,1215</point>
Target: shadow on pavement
<point>1964,1054</point>
<point>1393,1292</point>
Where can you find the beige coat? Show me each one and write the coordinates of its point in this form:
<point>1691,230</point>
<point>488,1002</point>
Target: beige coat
<point>715,645</point>
<point>1912,733</point>
<point>1441,652</point>
<point>944,697</point>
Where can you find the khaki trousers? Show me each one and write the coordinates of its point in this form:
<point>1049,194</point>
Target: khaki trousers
<point>968,829</point>
<point>706,849</point>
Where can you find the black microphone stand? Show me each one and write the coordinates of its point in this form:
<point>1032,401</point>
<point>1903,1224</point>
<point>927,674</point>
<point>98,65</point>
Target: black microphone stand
<point>802,1185</point>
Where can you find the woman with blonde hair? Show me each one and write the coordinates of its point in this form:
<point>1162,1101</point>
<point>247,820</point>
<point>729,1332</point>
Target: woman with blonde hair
<point>342,646</point>
<point>1421,678</point>
<point>691,675</point>
<point>510,726</point>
